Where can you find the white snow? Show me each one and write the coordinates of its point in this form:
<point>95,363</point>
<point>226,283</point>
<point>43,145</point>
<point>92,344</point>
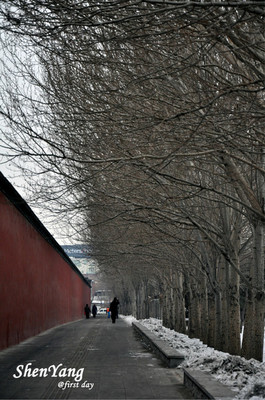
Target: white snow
<point>245,377</point>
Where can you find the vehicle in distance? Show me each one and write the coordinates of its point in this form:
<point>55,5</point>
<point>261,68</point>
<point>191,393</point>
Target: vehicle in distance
<point>102,311</point>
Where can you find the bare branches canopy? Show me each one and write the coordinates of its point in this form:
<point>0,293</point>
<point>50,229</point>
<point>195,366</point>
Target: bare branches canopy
<point>149,119</point>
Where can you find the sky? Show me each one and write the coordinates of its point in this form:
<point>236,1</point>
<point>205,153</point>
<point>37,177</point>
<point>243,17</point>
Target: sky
<point>12,173</point>
<point>14,177</point>
<point>10,78</point>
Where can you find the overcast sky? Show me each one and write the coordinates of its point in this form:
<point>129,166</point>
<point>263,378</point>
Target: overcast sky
<point>15,178</point>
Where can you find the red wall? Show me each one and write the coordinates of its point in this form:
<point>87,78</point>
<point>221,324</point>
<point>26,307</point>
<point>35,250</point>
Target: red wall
<point>38,288</point>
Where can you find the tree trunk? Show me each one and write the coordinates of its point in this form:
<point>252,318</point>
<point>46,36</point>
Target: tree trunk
<point>165,305</point>
<point>222,327</point>
<point>146,311</point>
<point>180,324</point>
<point>234,312</point>
<point>212,319</point>
<point>194,312</point>
<point>252,346</point>
<point>133,299</point>
<point>204,310</point>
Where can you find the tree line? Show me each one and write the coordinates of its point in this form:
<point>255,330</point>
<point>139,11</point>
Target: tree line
<point>145,125</point>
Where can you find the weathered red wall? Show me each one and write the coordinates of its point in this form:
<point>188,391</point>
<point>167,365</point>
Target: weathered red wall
<point>38,288</point>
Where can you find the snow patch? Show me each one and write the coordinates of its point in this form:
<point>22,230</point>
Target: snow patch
<point>129,319</point>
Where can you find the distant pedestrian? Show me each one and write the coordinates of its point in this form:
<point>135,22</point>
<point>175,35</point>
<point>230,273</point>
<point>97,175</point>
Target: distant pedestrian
<point>87,311</point>
<point>117,308</point>
<point>94,310</point>
<point>114,309</point>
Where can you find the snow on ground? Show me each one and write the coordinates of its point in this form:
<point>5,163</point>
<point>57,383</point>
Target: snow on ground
<point>245,377</point>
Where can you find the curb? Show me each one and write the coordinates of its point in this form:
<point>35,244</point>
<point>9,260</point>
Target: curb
<point>171,357</point>
<point>201,384</point>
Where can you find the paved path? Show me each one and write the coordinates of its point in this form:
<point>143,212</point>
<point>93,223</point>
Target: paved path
<point>106,358</point>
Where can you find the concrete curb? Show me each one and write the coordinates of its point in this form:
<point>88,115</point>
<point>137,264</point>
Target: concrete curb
<point>201,384</point>
<point>171,357</point>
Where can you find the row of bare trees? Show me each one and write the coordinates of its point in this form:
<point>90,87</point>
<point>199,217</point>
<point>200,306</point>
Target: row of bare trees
<point>145,124</point>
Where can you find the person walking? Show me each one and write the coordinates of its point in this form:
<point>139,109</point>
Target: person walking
<point>94,310</point>
<point>87,311</point>
<point>114,309</point>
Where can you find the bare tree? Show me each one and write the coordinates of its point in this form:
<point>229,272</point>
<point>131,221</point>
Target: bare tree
<point>148,119</point>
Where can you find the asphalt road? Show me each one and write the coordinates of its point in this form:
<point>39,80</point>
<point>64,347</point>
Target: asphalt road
<point>87,359</point>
